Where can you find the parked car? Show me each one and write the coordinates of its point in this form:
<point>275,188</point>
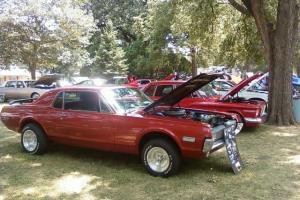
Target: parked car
<point>251,112</point>
<point>123,119</point>
<point>77,79</point>
<point>51,81</point>
<point>19,89</point>
<point>256,88</point>
<point>92,82</point>
<point>118,80</point>
<point>143,81</point>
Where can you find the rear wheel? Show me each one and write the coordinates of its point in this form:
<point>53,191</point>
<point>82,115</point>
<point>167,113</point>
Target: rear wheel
<point>33,139</point>
<point>160,157</point>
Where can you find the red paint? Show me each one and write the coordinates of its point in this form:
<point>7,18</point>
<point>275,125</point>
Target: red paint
<point>105,131</point>
<point>245,109</point>
<point>241,85</point>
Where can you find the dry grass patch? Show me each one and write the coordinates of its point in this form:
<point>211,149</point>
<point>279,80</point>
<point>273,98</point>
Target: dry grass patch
<point>272,171</point>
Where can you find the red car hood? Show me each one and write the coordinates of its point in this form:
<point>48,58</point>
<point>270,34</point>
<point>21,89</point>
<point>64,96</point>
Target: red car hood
<point>240,86</point>
<point>184,90</point>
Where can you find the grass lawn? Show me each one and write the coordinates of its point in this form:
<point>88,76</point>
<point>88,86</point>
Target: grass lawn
<point>272,171</point>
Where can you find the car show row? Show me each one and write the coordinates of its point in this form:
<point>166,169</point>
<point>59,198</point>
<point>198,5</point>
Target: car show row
<point>161,121</point>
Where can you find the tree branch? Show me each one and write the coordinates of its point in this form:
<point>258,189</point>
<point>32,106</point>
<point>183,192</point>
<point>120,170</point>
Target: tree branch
<point>239,7</point>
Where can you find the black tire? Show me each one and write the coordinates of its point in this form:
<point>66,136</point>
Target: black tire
<point>173,156</point>
<point>41,139</point>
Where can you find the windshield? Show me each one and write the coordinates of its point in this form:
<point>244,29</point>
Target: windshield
<point>126,99</point>
<point>207,91</point>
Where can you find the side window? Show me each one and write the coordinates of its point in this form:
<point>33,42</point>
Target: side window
<point>143,82</point>
<point>58,102</point>
<point>163,90</point>
<point>29,83</point>
<point>225,86</point>
<point>150,90</point>
<point>86,101</point>
<point>20,84</point>
<point>11,84</point>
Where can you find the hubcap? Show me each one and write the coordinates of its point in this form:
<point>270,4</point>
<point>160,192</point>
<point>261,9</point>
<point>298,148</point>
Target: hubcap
<point>35,96</point>
<point>29,140</point>
<point>158,159</point>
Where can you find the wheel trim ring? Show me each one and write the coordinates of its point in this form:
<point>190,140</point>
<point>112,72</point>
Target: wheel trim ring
<point>35,96</point>
<point>29,140</point>
<point>158,159</point>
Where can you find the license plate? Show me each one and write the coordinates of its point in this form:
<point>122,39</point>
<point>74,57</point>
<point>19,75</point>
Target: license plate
<point>233,153</point>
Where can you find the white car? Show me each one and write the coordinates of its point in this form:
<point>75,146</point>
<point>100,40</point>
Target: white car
<point>253,88</point>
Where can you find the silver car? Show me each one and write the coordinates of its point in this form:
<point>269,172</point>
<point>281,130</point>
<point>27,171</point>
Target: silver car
<point>19,89</point>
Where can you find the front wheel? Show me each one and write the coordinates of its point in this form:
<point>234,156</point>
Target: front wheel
<point>33,139</point>
<point>160,157</point>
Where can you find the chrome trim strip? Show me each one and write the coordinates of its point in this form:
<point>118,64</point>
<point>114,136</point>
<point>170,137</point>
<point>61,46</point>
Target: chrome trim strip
<point>188,139</point>
<point>210,145</point>
<point>253,120</point>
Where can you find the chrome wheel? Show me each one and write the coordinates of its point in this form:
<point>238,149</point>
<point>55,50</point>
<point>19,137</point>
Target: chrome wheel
<point>158,159</point>
<point>35,96</point>
<point>29,140</point>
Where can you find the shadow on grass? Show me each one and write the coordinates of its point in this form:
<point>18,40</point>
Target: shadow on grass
<point>271,172</point>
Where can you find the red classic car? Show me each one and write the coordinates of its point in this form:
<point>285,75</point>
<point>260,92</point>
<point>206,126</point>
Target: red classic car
<point>123,119</point>
<point>251,112</point>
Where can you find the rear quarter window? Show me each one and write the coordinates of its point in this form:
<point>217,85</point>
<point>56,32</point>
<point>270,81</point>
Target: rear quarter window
<point>150,90</point>
<point>163,90</point>
<point>58,102</point>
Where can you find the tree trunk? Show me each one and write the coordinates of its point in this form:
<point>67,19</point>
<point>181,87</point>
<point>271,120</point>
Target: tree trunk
<point>194,66</point>
<point>32,69</point>
<point>280,91</point>
<point>298,68</point>
<point>278,50</point>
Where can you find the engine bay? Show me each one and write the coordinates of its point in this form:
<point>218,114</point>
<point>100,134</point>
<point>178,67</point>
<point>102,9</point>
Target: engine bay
<point>239,100</point>
<point>201,116</point>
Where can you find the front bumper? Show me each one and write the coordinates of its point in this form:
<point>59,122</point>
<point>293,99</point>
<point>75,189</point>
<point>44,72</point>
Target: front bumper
<point>253,120</point>
<point>211,146</point>
<point>218,141</point>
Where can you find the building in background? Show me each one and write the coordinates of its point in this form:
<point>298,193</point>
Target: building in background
<point>15,73</point>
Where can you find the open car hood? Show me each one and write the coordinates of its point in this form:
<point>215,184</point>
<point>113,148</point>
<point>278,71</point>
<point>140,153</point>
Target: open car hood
<point>240,86</point>
<point>48,79</point>
<point>184,90</point>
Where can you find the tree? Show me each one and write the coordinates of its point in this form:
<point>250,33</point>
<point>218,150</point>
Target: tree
<point>122,14</point>
<point>107,53</point>
<point>278,34</point>
<point>239,42</point>
<point>194,24</point>
<point>45,34</point>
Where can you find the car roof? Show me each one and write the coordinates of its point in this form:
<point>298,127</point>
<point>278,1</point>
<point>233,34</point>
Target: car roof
<point>83,87</point>
<point>20,80</point>
<point>167,82</point>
